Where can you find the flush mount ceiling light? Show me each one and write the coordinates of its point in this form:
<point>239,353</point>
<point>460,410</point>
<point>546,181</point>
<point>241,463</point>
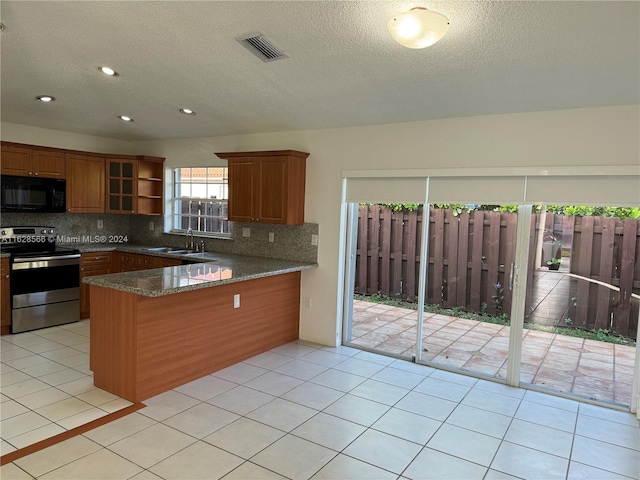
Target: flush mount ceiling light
<point>45,98</point>
<point>187,111</point>
<point>124,118</point>
<point>108,71</point>
<point>418,28</point>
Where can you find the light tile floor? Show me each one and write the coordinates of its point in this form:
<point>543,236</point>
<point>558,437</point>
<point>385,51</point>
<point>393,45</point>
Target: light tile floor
<point>47,387</point>
<point>306,411</point>
<point>587,368</point>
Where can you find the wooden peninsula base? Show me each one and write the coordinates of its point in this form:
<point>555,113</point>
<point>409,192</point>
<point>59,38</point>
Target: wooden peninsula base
<point>142,346</point>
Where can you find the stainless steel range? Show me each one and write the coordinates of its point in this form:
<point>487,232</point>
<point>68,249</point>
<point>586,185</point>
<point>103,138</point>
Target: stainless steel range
<point>45,278</point>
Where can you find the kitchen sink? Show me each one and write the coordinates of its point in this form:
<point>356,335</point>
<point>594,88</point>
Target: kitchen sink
<point>208,256</point>
<point>181,251</point>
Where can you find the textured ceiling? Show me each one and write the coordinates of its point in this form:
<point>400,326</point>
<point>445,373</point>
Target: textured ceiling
<point>343,67</point>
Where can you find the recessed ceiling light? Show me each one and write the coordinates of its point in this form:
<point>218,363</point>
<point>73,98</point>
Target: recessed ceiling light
<point>45,98</point>
<point>187,111</point>
<point>108,71</point>
<point>124,118</point>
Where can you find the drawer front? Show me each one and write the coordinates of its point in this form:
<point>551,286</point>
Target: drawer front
<point>148,261</point>
<point>95,258</point>
<point>128,262</point>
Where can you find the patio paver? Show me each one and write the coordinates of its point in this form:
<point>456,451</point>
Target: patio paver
<point>587,368</point>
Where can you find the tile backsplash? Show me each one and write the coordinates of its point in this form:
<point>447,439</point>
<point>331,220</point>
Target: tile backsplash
<point>291,242</point>
<point>71,224</point>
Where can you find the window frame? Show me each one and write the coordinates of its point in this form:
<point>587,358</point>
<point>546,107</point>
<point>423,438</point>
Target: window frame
<point>176,217</point>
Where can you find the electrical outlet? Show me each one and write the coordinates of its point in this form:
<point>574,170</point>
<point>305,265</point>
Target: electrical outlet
<point>314,240</point>
<point>151,226</point>
<point>307,302</point>
<point>100,224</point>
<point>271,237</point>
<point>246,232</point>
<point>236,300</point>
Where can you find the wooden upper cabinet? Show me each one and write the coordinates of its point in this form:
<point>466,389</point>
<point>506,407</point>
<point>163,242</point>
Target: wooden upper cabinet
<point>242,206</point>
<point>48,164</point>
<point>150,187</point>
<point>96,183</point>
<point>16,161</point>
<point>122,174</point>
<point>26,162</point>
<point>85,184</point>
<point>266,187</point>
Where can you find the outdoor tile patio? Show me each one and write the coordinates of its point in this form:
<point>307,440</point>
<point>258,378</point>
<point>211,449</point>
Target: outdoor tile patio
<point>587,368</point>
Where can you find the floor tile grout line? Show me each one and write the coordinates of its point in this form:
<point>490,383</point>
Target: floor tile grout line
<point>370,377</point>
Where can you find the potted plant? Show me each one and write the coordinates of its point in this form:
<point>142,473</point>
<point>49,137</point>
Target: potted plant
<point>554,263</point>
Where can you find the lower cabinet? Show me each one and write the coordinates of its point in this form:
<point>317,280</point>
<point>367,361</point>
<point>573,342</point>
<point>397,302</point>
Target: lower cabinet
<point>130,262</point>
<point>5,297</point>
<point>102,263</point>
<point>144,262</point>
<point>95,263</point>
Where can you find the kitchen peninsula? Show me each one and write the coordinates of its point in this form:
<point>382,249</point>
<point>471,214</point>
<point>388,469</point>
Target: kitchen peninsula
<point>153,330</point>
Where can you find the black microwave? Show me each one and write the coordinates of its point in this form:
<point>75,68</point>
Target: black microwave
<point>31,194</point>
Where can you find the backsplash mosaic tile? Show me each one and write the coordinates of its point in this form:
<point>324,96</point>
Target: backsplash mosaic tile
<point>291,242</point>
<point>72,225</point>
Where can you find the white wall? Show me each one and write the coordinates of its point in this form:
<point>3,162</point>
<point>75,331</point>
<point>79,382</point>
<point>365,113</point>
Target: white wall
<point>580,137</point>
<point>12,132</point>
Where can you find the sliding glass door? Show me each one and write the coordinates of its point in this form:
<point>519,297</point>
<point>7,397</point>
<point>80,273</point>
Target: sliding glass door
<point>516,291</point>
<point>384,249</point>
<point>581,314</point>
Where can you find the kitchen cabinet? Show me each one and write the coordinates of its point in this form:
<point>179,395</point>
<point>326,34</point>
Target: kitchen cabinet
<point>126,262</point>
<point>131,262</point>
<point>5,297</point>
<point>94,263</point>
<point>85,184</point>
<point>150,186</point>
<point>26,162</point>
<point>121,185</point>
<point>266,187</point>
<point>144,262</point>
<point>96,183</point>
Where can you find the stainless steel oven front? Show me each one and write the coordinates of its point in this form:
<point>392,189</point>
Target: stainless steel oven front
<point>45,291</point>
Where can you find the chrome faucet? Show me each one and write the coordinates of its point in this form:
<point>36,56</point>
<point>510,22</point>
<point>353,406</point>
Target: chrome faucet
<point>190,234</point>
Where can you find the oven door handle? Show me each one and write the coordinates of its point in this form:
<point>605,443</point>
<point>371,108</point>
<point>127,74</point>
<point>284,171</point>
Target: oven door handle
<point>44,262</point>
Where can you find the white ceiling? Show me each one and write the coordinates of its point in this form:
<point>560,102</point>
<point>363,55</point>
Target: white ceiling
<point>344,69</point>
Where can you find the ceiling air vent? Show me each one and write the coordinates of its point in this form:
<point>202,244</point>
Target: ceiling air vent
<point>262,47</point>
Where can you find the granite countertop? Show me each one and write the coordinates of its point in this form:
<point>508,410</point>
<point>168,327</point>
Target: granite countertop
<point>215,269</point>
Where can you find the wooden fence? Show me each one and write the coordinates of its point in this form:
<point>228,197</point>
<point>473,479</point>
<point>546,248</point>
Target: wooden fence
<point>470,258</point>
<point>200,214</point>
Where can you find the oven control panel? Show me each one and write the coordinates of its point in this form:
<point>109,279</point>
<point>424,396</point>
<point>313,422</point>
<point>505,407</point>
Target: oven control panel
<point>26,234</point>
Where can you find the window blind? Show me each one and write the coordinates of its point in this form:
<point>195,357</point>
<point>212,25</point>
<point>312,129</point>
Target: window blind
<point>386,190</point>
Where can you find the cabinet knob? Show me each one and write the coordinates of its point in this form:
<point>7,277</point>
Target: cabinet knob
<point>30,173</point>
<point>36,173</point>
<point>6,276</point>
<point>82,269</point>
